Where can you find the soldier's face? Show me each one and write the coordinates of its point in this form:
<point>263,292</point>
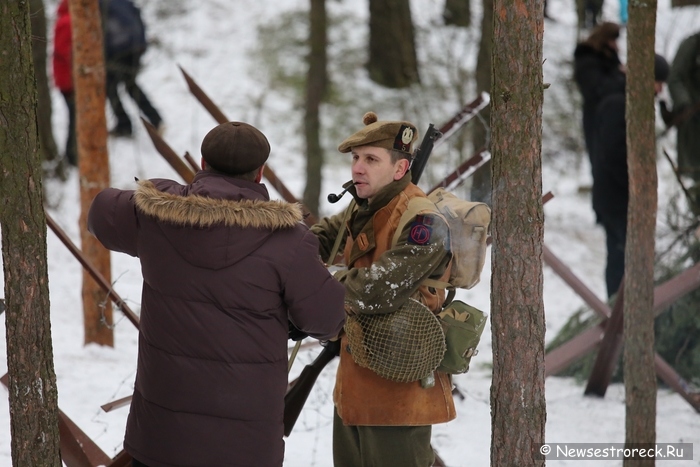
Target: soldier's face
<point>372,170</point>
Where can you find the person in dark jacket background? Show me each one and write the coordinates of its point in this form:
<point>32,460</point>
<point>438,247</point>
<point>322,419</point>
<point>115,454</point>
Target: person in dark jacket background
<point>63,75</point>
<point>610,179</point>
<point>125,44</point>
<point>225,271</point>
<point>684,87</point>
<point>598,72</point>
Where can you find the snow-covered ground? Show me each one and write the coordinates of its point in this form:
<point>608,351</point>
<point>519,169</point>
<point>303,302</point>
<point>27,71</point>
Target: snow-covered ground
<point>214,42</point>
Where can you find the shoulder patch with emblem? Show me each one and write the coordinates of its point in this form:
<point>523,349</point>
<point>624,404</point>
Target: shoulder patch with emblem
<point>421,230</point>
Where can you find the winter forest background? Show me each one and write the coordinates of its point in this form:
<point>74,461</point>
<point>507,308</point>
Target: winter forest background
<point>250,58</point>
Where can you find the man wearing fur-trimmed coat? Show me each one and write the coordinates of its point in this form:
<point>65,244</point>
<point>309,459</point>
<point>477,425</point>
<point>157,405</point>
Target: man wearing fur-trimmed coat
<point>379,421</point>
<point>225,271</point>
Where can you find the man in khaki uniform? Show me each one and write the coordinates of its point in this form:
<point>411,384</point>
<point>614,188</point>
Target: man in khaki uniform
<point>379,422</point>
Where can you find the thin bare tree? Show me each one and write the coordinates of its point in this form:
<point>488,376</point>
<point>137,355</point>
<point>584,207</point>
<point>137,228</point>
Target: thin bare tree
<point>517,308</point>
<point>316,84</point>
<point>392,50</point>
<point>91,132</point>
<point>32,380</point>
<point>639,372</point>
<point>48,148</point>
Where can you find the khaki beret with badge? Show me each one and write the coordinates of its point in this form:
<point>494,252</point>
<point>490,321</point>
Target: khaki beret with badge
<point>398,135</point>
<point>235,148</point>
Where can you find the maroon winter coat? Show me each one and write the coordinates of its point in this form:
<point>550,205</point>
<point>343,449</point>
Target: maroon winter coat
<point>224,269</point>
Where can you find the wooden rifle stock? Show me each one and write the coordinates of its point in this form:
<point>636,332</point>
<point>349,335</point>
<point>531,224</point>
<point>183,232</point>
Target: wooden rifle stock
<point>299,391</point>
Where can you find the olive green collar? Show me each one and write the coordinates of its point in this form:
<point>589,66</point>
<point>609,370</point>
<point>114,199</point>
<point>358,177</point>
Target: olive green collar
<point>366,209</point>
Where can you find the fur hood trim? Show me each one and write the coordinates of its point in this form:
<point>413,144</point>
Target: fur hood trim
<point>200,211</point>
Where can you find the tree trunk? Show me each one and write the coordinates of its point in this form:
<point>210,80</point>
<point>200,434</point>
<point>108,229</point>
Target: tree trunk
<point>680,3</point>
<point>49,151</point>
<point>457,13</point>
<point>32,381</point>
<point>517,308</point>
<point>481,180</point>
<point>316,80</point>
<point>639,372</point>
<point>91,131</point>
<point>392,49</point>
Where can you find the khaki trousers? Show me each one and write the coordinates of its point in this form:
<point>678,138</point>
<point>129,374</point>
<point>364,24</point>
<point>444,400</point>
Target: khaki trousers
<point>381,446</point>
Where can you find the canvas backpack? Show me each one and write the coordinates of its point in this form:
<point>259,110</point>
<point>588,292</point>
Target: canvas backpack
<point>468,224</point>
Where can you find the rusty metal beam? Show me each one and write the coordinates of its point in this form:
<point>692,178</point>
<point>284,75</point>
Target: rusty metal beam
<point>193,164</point>
<point>202,97</point>
<point>464,170</point>
<point>559,359</point>
<point>168,154</point>
<point>664,295</point>
<point>609,349</point>
<point>96,275</point>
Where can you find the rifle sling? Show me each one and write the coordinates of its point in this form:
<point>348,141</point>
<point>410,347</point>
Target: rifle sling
<point>341,232</point>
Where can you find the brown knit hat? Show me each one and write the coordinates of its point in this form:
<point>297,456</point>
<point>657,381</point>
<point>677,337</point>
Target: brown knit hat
<point>602,34</point>
<point>383,134</point>
<point>235,148</point>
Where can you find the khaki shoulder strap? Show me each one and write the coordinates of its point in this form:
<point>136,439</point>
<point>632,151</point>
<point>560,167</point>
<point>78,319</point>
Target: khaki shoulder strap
<point>416,205</point>
<point>341,231</point>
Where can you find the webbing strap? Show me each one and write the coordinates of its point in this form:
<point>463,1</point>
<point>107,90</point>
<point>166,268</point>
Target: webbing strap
<point>341,232</point>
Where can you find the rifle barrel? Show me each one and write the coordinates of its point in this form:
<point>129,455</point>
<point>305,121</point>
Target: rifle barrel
<point>423,153</point>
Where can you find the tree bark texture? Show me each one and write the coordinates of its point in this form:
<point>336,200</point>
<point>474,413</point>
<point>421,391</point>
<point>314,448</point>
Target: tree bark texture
<point>316,83</point>
<point>32,381</point>
<point>49,151</point>
<point>481,180</point>
<point>91,131</point>
<point>518,409</point>
<point>392,49</point>
<point>639,372</point>
<point>457,13</point>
